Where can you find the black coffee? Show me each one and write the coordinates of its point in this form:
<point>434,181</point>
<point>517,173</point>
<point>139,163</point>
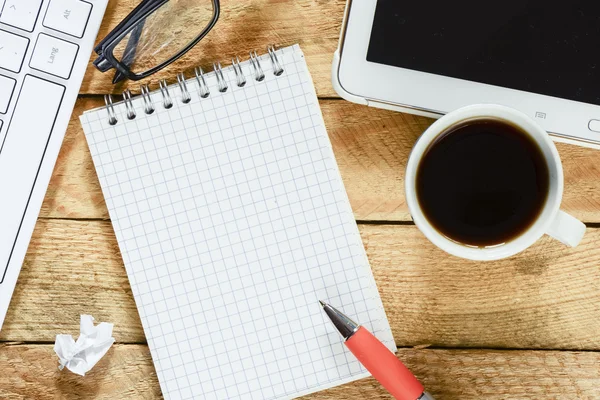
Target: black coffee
<point>483,182</point>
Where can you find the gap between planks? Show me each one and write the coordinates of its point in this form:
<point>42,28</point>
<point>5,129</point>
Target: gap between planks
<point>398,348</point>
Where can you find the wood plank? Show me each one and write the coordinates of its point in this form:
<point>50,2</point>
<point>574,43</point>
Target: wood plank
<point>547,297</point>
<point>371,147</point>
<point>242,27</point>
<point>74,190</point>
<point>71,268</point>
<point>30,371</point>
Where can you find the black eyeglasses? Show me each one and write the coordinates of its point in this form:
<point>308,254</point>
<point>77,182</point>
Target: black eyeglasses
<point>155,34</point>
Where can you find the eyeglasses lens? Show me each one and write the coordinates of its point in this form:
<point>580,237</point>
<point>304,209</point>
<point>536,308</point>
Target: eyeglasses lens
<point>163,34</point>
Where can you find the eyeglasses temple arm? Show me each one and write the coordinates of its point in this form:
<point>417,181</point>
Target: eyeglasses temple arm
<point>130,51</point>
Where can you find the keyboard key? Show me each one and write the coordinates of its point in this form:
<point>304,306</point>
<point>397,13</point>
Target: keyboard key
<point>12,51</point>
<point>7,87</point>
<point>68,16</point>
<point>21,14</point>
<point>54,56</point>
<point>22,153</point>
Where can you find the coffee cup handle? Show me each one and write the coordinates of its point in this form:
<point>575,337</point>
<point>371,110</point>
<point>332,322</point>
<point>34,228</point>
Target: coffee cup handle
<point>566,229</point>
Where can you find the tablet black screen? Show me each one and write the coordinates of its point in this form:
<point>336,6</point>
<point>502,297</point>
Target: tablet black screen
<point>546,47</point>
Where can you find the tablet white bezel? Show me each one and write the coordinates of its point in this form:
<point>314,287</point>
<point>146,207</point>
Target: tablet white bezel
<point>438,94</point>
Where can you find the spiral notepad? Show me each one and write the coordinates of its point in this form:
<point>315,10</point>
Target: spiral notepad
<point>233,222</point>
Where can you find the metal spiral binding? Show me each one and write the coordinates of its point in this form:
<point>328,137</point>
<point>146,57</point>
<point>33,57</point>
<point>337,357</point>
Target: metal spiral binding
<point>185,94</point>
<point>239,74</point>
<point>129,104</point>
<point>277,69</point>
<point>186,97</point>
<point>112,117</point>
<point>164,90</point>
<point>259,75</point>
<point>220,78</point>
<point>148,105</point>
<point>204,90</point>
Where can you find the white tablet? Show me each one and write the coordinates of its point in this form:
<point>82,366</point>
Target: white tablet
<point>431,57</point>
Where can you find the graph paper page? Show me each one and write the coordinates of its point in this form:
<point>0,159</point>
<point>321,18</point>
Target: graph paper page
<point>233,221</point>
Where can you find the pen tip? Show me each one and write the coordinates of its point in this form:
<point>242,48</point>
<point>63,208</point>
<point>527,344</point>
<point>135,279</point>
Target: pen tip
<point>323,304</point>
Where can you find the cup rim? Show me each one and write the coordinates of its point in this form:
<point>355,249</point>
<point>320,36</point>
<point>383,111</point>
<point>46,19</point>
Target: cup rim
<point>545,217</point>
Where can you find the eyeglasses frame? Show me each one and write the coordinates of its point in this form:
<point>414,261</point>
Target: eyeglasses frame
<point>105,48</point>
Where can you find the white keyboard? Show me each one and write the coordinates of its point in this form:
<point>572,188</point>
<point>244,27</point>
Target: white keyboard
<point>45,46</point>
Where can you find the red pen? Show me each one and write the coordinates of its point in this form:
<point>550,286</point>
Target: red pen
<point>376,358</point>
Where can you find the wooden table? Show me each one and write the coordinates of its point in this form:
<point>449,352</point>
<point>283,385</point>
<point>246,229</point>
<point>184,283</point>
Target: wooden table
<point>526,327</point>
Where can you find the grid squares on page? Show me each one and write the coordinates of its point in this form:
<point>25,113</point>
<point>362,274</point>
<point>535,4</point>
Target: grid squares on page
<point>232,220</point>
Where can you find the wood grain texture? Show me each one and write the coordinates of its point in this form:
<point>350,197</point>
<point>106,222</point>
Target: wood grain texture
<point>370,145</point>
<point>547,297</point>
<point>31,372</point>
<point>126,372</point>
<point>244,26</point>
<point>74,190</point>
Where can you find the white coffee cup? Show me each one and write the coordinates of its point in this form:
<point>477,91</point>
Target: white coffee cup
<point>551,220</point>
